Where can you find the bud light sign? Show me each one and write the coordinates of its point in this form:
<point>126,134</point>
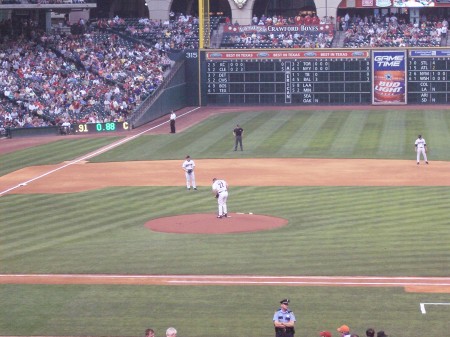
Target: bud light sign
<point>389,74</point>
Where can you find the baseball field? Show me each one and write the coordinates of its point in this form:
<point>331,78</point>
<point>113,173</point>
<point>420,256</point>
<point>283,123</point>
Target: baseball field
<point>99,236</point>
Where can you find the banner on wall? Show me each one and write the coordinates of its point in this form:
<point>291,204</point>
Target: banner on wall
<point>278,29</point>
<point>413,3</point>
<point>389,77</point>
<point>398,3</point>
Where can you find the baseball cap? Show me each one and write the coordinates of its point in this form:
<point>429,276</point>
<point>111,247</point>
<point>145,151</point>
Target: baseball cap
<point>343,328</point>
<point>285,301</point>
<point>381,334</point>
<point>325,334</point>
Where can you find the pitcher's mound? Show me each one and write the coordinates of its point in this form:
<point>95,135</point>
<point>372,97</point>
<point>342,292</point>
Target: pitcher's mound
<point>209,224</point>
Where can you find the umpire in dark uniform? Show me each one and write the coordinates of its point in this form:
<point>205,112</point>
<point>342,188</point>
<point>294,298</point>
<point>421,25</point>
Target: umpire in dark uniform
<point>237,132</point>
<point>284,320</point>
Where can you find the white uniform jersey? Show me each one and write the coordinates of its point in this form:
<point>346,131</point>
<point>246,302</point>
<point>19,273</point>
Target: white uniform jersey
<point>420,143</point>
<point>188,165</point>
<point>219,186</point>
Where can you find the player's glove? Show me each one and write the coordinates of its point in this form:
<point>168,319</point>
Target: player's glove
<point>189,171</point>
<point>217,195</point>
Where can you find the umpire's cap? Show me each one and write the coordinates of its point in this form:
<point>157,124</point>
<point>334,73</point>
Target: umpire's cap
<point>285,301</point>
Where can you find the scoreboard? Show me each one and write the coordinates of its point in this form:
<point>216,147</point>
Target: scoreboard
<point>428,75</point>
<point>287,77</point>
<point>316,77</point>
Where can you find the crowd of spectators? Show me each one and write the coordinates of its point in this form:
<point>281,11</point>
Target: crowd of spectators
<point>94,77</point>
<point>393,31</point>
<point>178,33</point>
<point>314,38</point>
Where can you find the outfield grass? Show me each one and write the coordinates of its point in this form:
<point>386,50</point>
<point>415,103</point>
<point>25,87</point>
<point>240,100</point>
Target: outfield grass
<point>309,134</point>
<point>389,231</point>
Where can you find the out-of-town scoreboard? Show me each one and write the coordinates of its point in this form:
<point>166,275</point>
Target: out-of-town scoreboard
<point>324,77</point>
<point>428,75</point>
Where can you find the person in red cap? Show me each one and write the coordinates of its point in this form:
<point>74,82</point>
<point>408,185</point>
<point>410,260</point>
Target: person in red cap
<point>325,334</point>
<point>344,330</point>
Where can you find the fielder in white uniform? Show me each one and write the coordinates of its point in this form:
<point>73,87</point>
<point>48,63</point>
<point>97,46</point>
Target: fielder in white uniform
<point>421,148</point>
<point>220,190</point>
<point>188,167</point>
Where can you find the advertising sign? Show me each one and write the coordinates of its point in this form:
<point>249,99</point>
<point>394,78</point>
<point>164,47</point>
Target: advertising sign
<point>389,77</point>
<point>413,3</point>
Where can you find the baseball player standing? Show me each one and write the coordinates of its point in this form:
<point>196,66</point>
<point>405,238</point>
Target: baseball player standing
<point>220,190</point>
<point>421,148</point>
<point>188,167</point>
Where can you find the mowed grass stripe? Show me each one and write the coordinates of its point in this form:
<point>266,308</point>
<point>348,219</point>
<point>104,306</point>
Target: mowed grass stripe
<point>415,125</point>
<point>275,133</point>
<point>286,138</point>
<point>310,123</point>
<point>369,139</point>
<point>437,123</point>
<point>81,227</point>
<point>47,242</point>
<point>350,131</point>
<point>393,142</point>
<point>69,220</point>
<point>323,140</point>
<point>52,153</point>
<point>223,138</point>
<point>257,131</point>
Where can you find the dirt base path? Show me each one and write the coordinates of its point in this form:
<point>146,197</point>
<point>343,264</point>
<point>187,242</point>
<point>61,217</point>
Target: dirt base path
<point>412,284</point>
<point>238,172</point>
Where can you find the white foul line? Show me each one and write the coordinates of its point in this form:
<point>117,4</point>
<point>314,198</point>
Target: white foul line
<point>422,306</point>
<point>93,154</point>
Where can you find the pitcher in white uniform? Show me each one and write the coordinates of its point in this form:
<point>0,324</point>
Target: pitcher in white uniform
<point>220,190</point>
<point>421,148</point>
